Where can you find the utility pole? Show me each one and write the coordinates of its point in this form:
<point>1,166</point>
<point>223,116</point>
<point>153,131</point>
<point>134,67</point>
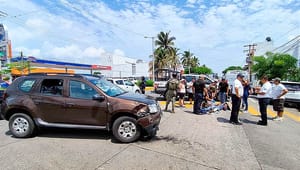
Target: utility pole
<point>249,59</point>
<point>153,55</point>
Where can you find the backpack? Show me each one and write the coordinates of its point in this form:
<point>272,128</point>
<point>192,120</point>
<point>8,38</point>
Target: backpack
<point>173,84</point>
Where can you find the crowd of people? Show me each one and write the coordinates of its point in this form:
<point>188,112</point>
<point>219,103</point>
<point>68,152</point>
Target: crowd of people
<point>204,97</point>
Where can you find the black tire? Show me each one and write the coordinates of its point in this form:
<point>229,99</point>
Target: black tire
<point>137,91</point>
<point>21,125</point>
<point>131,134</point>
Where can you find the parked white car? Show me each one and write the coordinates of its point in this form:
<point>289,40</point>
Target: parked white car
<point>126,85</point>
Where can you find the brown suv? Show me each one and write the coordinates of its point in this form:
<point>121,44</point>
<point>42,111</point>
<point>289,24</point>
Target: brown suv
<point>78,101</point>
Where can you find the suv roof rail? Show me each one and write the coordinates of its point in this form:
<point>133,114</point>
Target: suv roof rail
<point>64,74</point>
<point>54,74</point>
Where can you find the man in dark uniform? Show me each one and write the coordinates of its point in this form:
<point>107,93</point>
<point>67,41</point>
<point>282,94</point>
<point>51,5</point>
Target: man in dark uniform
<point>172,86</point>
<point>200,91</point>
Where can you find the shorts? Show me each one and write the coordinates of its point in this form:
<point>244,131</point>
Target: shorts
<point>278,105</point>
<point>181,95</point>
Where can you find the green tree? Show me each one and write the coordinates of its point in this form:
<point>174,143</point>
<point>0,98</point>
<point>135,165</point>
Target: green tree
<point>232,68</point>
<point>186,60</point>
<point>173,59</point>
<point>275,65</point>
<point>195,62</point>
<point>165,53</point>
<point>202,70</point>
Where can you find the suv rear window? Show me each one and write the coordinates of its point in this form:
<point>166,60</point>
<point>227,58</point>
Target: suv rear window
<point>26,85</point>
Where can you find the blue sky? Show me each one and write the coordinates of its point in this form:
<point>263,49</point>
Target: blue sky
<point>82,31</point>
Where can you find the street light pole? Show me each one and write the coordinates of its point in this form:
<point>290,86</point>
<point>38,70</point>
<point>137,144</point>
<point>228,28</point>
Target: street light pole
<point>153,55</point>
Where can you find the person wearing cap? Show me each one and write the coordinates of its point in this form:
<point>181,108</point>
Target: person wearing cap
<point>278,92</point>
<point>223,90</point>
<point>181,92</point>
<point>264,97</point>
<point>237,94</point>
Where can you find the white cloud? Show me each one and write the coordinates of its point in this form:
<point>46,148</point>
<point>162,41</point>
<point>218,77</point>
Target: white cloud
<point>84,31</point>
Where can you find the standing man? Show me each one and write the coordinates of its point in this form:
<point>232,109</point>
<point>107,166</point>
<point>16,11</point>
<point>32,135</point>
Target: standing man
<point>143,85</point>
<point>223,90</point>
<point>237,94</point>
<point>172,86</point>
<point>264,96</point>
<point>247,92</point>
<point>200,91</point>
<point>278,92</point>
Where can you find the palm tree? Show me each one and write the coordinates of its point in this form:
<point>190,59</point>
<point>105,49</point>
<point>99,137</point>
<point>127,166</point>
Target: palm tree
<point>173,59</point>
<point>186,59</point>
<point>165,49</point>
<point>195,62</point>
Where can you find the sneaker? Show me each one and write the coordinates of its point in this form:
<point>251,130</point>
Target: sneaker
<point>278,118</point>
<point>245,111</point>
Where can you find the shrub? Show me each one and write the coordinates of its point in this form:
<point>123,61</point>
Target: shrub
<point>149,83</point>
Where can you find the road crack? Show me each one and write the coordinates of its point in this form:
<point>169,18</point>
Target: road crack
<point>175,156</point>
<point>112,157</point>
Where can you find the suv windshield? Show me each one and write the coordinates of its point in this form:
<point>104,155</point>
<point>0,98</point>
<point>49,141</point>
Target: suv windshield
<point>107,87</point>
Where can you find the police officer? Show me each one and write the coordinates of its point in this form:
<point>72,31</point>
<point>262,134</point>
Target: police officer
<point>172,86</point>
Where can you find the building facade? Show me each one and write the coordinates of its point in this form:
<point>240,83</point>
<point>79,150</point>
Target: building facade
<point>124,66</point>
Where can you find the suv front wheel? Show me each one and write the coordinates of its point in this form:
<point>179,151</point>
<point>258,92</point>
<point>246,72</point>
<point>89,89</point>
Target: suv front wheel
<point>21,125</point>
<point>125,129</point>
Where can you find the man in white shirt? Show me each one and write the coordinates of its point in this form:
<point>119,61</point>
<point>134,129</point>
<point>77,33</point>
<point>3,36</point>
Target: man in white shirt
<point>278,92</point>
<point>237,94</point>
<point>264,97</point>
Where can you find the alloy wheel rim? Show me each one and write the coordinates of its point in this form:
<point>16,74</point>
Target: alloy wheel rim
<point>20,125</point>
<point>127,129</point>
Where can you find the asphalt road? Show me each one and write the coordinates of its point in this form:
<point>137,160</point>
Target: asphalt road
<point>184,141</point>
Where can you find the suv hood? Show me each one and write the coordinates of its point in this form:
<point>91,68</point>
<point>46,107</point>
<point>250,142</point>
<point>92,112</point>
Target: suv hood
<point>137,97</point>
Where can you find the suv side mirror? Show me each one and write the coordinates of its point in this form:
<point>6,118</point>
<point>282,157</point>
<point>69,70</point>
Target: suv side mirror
<point>99,97</point>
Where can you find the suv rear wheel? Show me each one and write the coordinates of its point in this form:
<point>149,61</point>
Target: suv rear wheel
<point>125,129</point>
<point>21,125</point>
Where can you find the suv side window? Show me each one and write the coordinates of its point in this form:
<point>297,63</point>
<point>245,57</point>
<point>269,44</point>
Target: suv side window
<point>128,83</point>
<point>119,82</point>
<point>52,87</point>
<point>26,85</point>
<point>81,90</point>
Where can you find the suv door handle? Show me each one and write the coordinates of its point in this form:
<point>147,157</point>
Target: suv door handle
<point>69,104</point>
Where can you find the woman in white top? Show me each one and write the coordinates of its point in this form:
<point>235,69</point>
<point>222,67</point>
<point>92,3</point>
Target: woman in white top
<point>189,90</point>
<point>181,92</point>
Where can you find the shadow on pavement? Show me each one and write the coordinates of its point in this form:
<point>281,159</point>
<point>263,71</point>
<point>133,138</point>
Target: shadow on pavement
<point>71,133</point>
<point>222,120</point>
<point>248,121</point>
<point>200,114</point>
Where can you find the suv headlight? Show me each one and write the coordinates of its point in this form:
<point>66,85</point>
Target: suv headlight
<point>153,108</point>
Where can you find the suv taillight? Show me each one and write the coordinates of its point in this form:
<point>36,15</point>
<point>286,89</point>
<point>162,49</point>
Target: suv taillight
<point>4,96</point>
